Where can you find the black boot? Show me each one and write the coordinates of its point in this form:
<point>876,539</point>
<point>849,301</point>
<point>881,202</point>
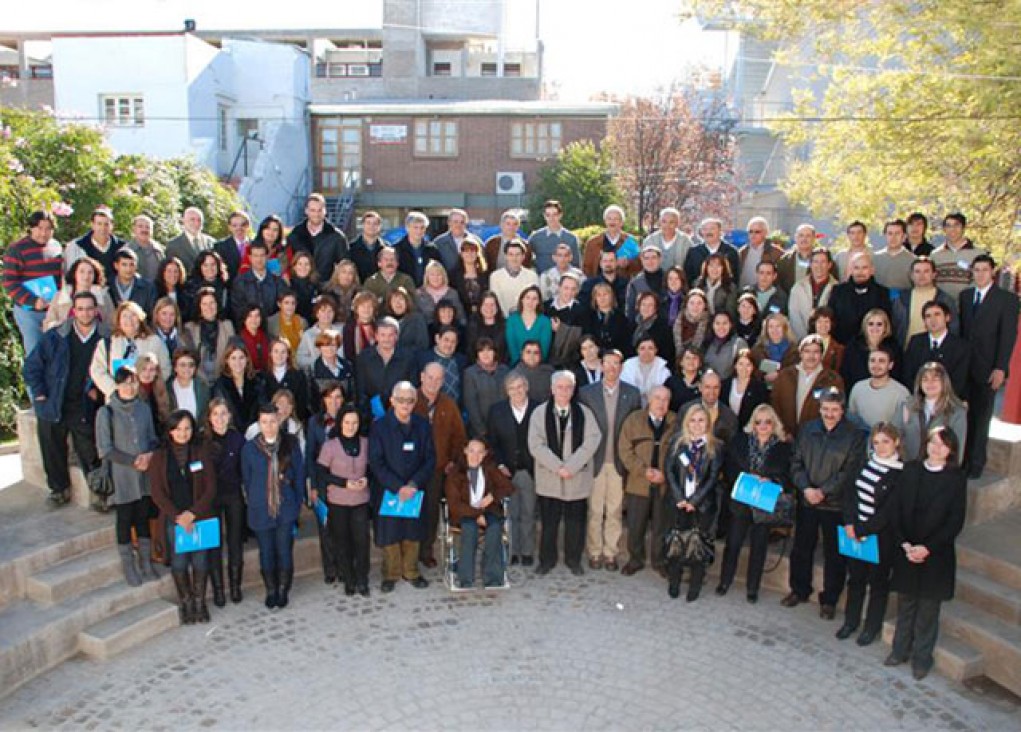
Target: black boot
<point>183,597</point>
<point>674,571</point>
<point>271,588</point>
<point>286,579</point>
<point>200,579</point>
<point>234,572</point>
<point>216,579</point>
<point>695,586</point>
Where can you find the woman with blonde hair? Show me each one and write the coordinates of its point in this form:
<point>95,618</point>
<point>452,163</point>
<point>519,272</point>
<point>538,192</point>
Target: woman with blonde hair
<point>776,345</point>
<point>876,331</point>
<point>131,337</point>
<point>343,286</point>
<point>436,288</point>
<point>359,332</point>
<point>692,464</point>
<point>933,403</point>
<point>152,389</point>
<point>762,451</point>
<point>324,316</point>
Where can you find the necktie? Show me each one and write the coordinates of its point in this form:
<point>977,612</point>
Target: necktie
<point>978,300</point>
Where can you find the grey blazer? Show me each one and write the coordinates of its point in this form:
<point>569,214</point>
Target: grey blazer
<point>628,400</point>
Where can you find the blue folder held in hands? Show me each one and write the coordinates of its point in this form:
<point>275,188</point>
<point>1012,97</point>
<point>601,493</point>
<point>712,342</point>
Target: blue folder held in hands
<point>42,287</point>
<point>866,550</point>
<point>760,494</point>
<point>204,535</point>
<point>321,511</point>
<point>394,507</point>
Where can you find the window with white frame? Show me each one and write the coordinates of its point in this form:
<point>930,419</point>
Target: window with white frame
<point>435,138</point>
<point>123,110</point>
<point>535,139</point>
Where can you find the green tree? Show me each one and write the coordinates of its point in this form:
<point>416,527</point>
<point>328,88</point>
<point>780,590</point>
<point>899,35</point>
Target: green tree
<point>581,178</point>
<point>49,164</point>
<point>899,105</point>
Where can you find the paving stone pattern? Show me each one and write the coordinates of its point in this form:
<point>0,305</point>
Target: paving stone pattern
<point>597,652</point>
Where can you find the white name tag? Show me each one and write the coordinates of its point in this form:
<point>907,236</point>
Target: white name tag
<point>195,466</point>
<point>774,308</point>
<point>963,264</point>
<point>409,447</point>
<point>817,393</point>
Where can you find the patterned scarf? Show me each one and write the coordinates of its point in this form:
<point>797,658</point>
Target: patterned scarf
<point>272,454</point>
<point>757,453</point>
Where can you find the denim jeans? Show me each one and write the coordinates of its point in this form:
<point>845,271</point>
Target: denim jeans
<point>276,547</point>
<point>30,324</point>
<point>492,552</point>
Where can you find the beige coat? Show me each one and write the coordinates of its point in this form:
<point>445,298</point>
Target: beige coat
<point>60,308</point>
<point>547,482</point>
<point>102,361</point>
<point>635,449</point>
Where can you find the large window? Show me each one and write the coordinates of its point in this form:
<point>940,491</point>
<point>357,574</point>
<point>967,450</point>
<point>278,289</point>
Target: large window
<point>123,110</point>
<point>535,139</point>
<point>435,138</point>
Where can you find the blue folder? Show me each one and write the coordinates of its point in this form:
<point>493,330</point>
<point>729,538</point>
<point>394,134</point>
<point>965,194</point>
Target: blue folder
<point>204,535</point>
<point>118,363</point>
<point>273,265</point>
<point>378,410</point>
<point>394,507</point>
<point>320,508</point>
<point>42,287</point>
<point>760,494</point>
<point>866,550</point>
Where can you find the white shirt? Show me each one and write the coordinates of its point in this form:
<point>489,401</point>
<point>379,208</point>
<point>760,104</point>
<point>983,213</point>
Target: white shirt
<point>186,398</point>
<point>519,414</point>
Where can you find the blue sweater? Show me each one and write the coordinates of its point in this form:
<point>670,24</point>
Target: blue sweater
<point>517,334</point>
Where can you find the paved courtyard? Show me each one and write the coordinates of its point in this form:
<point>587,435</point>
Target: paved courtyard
<point>597,652</point>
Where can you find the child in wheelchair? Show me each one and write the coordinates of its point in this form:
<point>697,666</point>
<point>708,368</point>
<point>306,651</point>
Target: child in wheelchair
<point>475,494</point>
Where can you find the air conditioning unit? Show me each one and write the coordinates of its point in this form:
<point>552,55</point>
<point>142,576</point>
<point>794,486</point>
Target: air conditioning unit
<point>510,184</point>
<point>357,69</point>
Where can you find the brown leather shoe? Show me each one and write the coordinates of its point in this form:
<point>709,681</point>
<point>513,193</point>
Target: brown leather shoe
<point>595,562</point>
<point>827,612</point>
<point>631,568</point>
<point>792,600</point>
<point>611,565</point>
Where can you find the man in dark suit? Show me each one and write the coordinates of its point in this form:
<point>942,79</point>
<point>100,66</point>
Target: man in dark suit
<point>256,286</point>
<point>850,300</point>
<point>712,243</point>
<point>989,324</point>
<point>611,401</point>
<point>192,241</point>
<point>233,248</point>
<point>413,251</point>
<point>317,236</point>
<point>938,344</point>
<point>507,428</point>
<point>127,285</point>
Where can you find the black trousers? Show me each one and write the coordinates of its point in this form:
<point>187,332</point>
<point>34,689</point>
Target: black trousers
<point>349,530</point>
<point>231,510</point>
<point>133,515</point>
<point>808,522</point>
<point>640,512</point>
<point>327,551</point>
<point>917,629</point>
<point>741,526</point>
<point>981,399</point>
<point>431,506</point>
<point>53,446</point>
<point>875,578</point>
<point>573,513</point>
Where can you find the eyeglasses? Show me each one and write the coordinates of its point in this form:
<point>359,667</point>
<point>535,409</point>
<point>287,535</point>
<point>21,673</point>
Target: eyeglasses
<point>763,421</point>
<point>756,231</point>
<point>403,400</point>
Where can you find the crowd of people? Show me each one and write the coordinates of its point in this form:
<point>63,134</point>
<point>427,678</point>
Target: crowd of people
<point>529,381</point>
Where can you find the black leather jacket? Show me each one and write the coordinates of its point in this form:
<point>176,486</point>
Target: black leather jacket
<point>828,460</point>
<point>704,497</point>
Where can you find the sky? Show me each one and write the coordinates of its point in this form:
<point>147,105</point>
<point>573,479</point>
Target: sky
<point>591,46</point>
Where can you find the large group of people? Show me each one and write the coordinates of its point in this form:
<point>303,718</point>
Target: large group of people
<point>529,382</point>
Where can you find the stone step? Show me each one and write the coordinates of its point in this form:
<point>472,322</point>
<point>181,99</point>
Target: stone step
<point>954,658</point>
<point>993,550</point>
<point>127,629</point>
<point>992,495</point>
<point>998,641</point>
<point>1003,455</point>
<point>997,599</point>
<point>74,577</point>
<point>34,638</point>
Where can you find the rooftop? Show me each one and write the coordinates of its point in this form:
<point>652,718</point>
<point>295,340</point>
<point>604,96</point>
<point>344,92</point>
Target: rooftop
<point>479,107</point>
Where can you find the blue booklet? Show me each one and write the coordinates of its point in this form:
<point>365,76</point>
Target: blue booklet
<point>760,494</point>
<point>378,410</point>
<point>204,535</point>
<point>42,287</point>
<point>320,508</point>
<point>118,363</point>
<point>273,265</point>
<point>866,550</point>
<point>394,507</point>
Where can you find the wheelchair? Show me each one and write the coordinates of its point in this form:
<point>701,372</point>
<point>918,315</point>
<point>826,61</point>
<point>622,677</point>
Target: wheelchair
<point>451,537</point>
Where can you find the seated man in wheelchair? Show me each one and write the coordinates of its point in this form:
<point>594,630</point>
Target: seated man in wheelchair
<point>475,494</point>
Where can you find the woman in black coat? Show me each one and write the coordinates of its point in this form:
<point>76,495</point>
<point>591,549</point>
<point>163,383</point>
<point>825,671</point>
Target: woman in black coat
<point>928,514</point>
<point>281,374</point>
<point>224,444</point>
<point>745,390</point>
<point>208,271</point>
<point>607,324</point>
<point>692,464</point>
<point>760,449</point>
<point>865,515</point>
<point>875,331</point>
<point>648,322</point>
<point>240,386</point>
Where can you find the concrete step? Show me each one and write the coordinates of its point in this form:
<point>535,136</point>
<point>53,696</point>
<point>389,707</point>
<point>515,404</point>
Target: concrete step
<point>74,577</point>
<point>127,629</point>
<point>998,641</point>
<point>992,495</point>
<point>1003,455</point>
<point>954,658</point>
<point>986,594</point>
<point>993,550</point>
<point>32,462</point>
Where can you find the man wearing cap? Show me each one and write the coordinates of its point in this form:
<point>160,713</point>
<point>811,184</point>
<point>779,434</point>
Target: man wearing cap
<point>828,454</point>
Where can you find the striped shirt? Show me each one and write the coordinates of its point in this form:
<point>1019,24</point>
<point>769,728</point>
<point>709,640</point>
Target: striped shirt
<point>872,485</point>
<point>25,260</point>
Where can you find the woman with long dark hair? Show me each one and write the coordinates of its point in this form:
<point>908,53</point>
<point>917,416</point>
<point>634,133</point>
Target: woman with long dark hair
<point>270,233</point>
<point>224,443</point>
<point>650,323</point>
<point>303,280</point>
<point>171,281</point>
<point>607,324</point>
<point>85,275</point>
<point>413,331</point>
<point>208,334</point>
<point>469,277</point>
<point>281,374</point>
<point>723,345</point>
<point>489,323</point>
<point>183,482</point>
<point>209,271</point>
<point>239,386</point>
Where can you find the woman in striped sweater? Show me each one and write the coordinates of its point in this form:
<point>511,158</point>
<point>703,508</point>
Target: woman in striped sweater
<point>865,514</point>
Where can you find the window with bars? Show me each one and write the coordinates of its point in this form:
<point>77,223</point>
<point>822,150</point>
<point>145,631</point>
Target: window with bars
<point>435,138</point>
<point>123,110</point>
<point>535,139</point>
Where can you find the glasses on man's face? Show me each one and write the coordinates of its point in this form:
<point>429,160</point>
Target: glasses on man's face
<point>404,400</point>
<point>756,231</point>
